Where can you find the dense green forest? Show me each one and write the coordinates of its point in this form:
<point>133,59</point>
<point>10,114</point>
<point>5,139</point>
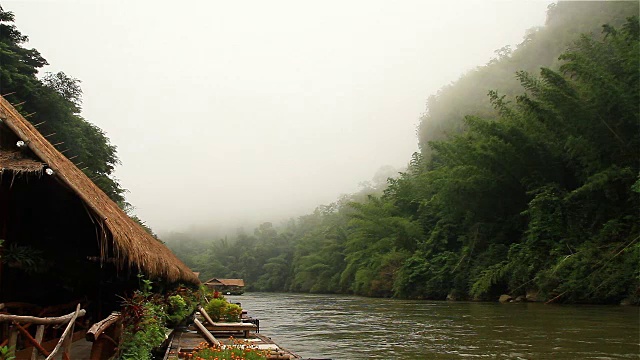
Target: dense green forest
<point>531,189</point>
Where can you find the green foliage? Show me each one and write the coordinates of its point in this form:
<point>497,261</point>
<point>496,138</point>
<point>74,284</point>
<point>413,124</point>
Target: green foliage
<point>24,257</point>
<point>5,353</point>
<point>536,190</point>
<point>146,315</point>
<point>540,47</point>
<point>220,309</point>
<point>232,313</point>
<point>177,310</point>
<point>216,308</point>
<point>144,329</point>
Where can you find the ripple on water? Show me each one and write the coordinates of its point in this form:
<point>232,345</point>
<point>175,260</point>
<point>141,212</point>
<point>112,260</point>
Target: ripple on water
<point>354,328</point>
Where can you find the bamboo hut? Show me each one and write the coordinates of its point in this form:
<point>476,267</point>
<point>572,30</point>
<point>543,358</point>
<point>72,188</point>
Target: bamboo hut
<point>226,286</point>
<point>64,239</point>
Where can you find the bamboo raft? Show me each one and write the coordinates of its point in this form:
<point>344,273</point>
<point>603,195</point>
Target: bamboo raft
<point>183,342</point>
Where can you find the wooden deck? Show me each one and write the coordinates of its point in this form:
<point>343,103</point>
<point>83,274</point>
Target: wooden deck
<point>184,342</point>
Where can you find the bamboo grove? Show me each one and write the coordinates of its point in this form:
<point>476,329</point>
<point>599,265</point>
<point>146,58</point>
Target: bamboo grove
<point>535,193</point>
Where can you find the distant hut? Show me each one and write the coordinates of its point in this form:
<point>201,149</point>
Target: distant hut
<point>65,241</point>
<point>226,286</point>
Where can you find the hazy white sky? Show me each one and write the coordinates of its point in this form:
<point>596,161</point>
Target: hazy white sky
<point>227,111</point>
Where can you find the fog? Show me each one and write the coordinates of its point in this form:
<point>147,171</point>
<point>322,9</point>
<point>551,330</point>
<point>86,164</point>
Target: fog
<point>240,111</point>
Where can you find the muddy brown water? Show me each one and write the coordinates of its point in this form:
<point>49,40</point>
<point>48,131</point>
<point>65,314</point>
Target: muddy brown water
<point>353,328</point>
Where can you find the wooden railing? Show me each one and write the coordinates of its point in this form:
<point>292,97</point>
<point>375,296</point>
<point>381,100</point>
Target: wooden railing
<point>105,335</point>
<point>20,323</point>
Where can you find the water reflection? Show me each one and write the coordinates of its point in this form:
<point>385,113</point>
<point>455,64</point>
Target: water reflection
<point>352,328</point>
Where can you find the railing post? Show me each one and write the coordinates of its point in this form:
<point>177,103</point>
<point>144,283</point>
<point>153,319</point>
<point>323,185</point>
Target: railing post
<point>66,345</point>
<point>63,338</point>
<point>13,339</point>
<point>39,334</point>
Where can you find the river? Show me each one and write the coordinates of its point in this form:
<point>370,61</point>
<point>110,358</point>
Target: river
<point>351,328</point>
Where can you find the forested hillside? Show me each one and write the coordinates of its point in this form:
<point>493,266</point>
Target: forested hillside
<point>534,192</point>
<point>540,48</point>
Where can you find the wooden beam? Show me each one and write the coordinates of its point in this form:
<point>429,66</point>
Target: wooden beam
<point>206,333</point>
<point>41,321</point>
<point>98,328</point>
<point>205,315</point>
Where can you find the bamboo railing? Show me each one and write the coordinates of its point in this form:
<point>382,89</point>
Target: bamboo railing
<point>105,335</point>
<point>20,323</point>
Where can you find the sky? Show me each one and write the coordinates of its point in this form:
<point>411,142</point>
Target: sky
<point>236,112</point>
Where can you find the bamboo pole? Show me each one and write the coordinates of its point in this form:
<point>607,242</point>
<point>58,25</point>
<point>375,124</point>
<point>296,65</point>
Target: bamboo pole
<point>13,340</point>
<point>41,321</point>
<point>64,335</point>
<point>39,335</point>
<point>205,315</point>
<point>206,333</point>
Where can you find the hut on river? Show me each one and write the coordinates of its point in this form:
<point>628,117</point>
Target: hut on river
<point>226,286</point>
<point>64,240</point>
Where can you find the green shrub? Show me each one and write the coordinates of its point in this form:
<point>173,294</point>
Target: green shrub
<point>177,310</point>
<point>144,330</point>
<point>216,308</point>
<point>232,313</point>
<point>144,323</point>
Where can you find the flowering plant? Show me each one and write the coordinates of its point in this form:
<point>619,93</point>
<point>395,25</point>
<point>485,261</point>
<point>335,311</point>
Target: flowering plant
<point>239,350</point>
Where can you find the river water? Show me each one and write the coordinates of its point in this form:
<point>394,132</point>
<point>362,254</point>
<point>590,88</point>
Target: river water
<point>351,328</point>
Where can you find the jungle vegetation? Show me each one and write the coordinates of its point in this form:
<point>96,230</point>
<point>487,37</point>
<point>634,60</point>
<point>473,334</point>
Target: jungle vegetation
<point>526,182</point>
<point>527,178</point>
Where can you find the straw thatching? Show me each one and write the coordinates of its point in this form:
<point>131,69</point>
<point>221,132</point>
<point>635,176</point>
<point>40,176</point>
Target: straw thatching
<point>17,163</point>
<point>130,244</point>
<point>225,282</point>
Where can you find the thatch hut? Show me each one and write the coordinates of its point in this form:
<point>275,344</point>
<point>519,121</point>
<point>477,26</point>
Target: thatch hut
<point>64,239</point>
<point>226,286</point>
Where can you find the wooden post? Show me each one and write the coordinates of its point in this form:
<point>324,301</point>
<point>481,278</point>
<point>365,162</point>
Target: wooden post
<point>66,345</point>
<point>13,340</point>
<point>39,334</point>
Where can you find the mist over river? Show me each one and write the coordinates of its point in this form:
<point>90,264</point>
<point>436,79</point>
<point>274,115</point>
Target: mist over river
<point>350,328</point>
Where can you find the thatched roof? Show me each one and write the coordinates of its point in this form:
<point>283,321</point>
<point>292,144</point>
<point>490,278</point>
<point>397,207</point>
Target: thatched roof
<point>225,282</point>
<point>132,245</point>
<point>16,162</point>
